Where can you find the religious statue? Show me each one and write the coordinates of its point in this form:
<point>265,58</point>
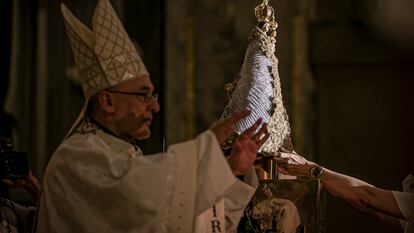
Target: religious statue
<point>276,206</point>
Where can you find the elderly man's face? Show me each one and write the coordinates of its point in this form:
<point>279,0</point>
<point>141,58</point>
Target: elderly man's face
<point>134,108</point>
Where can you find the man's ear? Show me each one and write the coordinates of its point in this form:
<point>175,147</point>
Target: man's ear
<point>106,101</point>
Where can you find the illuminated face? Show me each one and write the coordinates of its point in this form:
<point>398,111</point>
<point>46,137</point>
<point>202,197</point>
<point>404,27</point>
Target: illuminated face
<point>134,104</point>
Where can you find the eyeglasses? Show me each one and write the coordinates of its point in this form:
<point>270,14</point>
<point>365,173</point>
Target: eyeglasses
<point>146,95</point>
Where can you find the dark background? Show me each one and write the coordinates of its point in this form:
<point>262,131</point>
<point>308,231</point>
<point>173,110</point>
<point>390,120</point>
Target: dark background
<point>358,112</point>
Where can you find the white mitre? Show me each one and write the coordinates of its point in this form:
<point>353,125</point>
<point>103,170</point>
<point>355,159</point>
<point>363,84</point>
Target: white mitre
<point>104,56</point>
<point>258,87</point>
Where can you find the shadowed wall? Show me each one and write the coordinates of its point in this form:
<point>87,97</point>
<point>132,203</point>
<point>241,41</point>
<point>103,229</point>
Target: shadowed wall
<point>346,87</point>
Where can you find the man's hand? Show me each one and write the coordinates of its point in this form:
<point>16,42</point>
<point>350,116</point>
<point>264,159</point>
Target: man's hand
<point>245,148</point>
<point>224,128</point>
<point>30,183</point>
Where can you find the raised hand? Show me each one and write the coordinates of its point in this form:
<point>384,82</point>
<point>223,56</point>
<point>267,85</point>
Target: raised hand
<point>246,147</point>
<point>224,128</point>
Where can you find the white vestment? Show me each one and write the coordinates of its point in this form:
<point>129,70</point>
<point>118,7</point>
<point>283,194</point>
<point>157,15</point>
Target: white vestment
<point>96,182</point>
<point>405,201</point>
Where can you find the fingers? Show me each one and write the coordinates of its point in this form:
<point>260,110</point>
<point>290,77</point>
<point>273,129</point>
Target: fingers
<point>296,159</point>
<point>14,183</point>
<point>295,169</point>
<point>263,139</point>
<point>282,149</point>
<point>270,154</point>
<point>293,158</point>
<point>283,171</point>
<point>237,116</point>
<point>7,182</point>
<point>20,182</point>
<point>262,131</point>
<point>224,128</point>
<point>258,138</point>
<point>261,136</point>
<point>249,132</point>
<point>32,180</point>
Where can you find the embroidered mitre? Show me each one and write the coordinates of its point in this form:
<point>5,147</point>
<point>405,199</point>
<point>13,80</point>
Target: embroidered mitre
<point>104,56</point>
<point>258,87</point>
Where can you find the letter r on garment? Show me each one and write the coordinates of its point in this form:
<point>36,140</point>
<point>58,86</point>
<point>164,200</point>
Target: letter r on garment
<point>215,224</point>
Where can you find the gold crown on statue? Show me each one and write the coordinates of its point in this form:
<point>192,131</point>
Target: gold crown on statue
<point>104,56</point>
<point>266,28</point>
